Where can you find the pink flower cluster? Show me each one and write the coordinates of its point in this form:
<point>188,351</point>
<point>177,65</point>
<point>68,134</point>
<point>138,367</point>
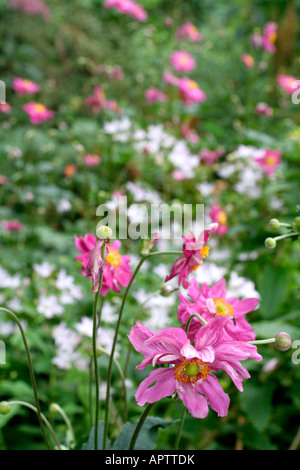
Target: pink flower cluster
<point>97,101</point>
<point>268,39</point>
<point>127,7</point>
<point>32,7</point>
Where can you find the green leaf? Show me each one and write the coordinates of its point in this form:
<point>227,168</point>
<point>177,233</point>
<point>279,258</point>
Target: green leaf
<point>147,435</point>
<point>256,401</point>
<point>90,445</point>
<point>273,289</point>
<point>267,329</point>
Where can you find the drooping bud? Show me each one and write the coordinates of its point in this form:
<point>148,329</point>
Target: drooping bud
<point>104,232</point>
<point>274,223</point>
<point>4,408</point>
<point>54,408</point>
<point>283,341</point>
<point>167,290</point>
<point>96,263</point>
<point>270,243</point>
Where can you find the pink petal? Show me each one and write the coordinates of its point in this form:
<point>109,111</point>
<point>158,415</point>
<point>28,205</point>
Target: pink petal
<point>164,386</point>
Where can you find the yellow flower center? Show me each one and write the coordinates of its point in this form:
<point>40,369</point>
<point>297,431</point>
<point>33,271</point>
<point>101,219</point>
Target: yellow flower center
<point>191,371</point>
<point>193,85</point>
<point>222,218</point>
<point>271,160</point>
<point>114,258</point>
<point>39,108</point>
<point>183,60</point>
<point>222,307</point>
<point>204,252</point>
<point>273,37</point>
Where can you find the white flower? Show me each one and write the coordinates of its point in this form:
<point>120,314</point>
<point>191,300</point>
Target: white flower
<point>64,281</point>
<point>8,281</point>
<point>49,306</point>
<point>63,205</point>
<point>239,286</point>
<point>44,269</point>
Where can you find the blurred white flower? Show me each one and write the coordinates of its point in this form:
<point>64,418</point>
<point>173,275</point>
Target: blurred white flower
<point>50,306</point>
<point>44,269</point>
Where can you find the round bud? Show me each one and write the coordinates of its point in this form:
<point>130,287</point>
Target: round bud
<point>297,223</point>
<point>274,223</point>
<point>98,351</point>
<point>270,242</point>
<point>166,290</point>
<point>104,232</point>
<point>53,408</point>
<point>283,341</point>
<point>4,408</point>
<point>192,370</point>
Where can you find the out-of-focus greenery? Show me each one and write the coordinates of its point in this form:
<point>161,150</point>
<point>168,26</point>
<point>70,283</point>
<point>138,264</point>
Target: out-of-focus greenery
<point>63,54</point>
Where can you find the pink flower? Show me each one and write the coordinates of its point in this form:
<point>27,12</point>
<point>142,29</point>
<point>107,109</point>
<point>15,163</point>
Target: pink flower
<point>210,156</point>
<point>248,60</point>
<point>269,37</point>
<point>194,252</point>
<point>97,101</point>
<point>12,225</point>
<point>116,270</point>
<point>269,161</point>
<point>190,91</point>
<point>256,40</point>
<point>5,108</point>
<point>288,83</point>
<point>92,160</point>
<point>31,7</point>
<point>264,109</point>
<point>3,179</point>
<point>153,94</point>
<point>171,79</point>
<point>24,87</point>
<point>219,216</point>
<point>127,7</point>
<point>190,368</point>
<point>188,30</point>
<point>70,170</point>
<point>182,61</point>
<point>189,133</point>
<point>212,302</point>
<point>37,112</point>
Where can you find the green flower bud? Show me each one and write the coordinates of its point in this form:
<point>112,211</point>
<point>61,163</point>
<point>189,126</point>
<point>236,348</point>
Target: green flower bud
<point>274,223</point>
<point>283,341</point>
<point>54,408</point>
<point>270,242</point>
<point>104,232</point>
<point>167,290</point>
<point>297,223</point>
<point>4,408</point>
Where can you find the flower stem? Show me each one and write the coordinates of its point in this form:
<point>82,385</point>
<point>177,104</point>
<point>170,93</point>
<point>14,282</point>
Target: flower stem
<point>109,371</point>
<point>263,341</point>
<point>67,421</point>
<point>156,253</point>
<point>32,377</point>
<point>139,426</point>
<point>194,315</point>
<point>45,420</point>
<point>287,235</point>
<point>180,428</point>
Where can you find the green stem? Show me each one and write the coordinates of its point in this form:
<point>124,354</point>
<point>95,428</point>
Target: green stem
<point>262,341</point>
<point>95,357</point>
<point>45,420</point>
<point>67,421</point>
<point>32,377</point>
<point>180,428</point>
<point>194,315</point>
<point>109,371</point>
<point>156,253</point>
<point>139,426</point>
<point>287,235</point>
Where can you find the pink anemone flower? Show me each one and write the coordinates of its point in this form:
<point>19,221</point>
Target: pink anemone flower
<point>248,61</point>
<point>37,112</point>
<point>190,91</point>
<point>182,61</point>
<point>127,7</point>
<point>24,87</point>
<point>188,30</point>
<point>269,161</point>
<point>190,367</point>
<point>153,94</point>
<point>289,83</point>
<point>269,37</point>
<point>219,216</point>
<point>194,252</point>
<point>116,272</point>
<point>212,302</point>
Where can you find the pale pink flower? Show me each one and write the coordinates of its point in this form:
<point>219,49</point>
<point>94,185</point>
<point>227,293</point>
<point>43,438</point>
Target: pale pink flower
<point>92,160</point>
<point>127,7</point>
<point>269,161</point>
<point>188,30</point>
<point>269,37</point>
<point>182,61</point>
<point>153,94</point>
<point>32,7</point>
<point>171,79</point>
<point>264,109</point>
<point>211,302</point>
<point>37,112</point>
<point>97,101</point>
<point>210,156</point>
<point>5,108</point>
<point>190,91</point>
<point>12,225</point>
<point>24,87</point>
<point>3,179</point>
<point>219,216</point>
<point>248,61</point>
<point>190,368</point>
<point>194,252</point>
<point>289,83</point>
<point>189,133</point>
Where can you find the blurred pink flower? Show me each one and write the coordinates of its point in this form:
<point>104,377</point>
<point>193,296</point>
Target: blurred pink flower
<point>153,94</point>
<point>219,216</point>
<point>190,368</point>
<point>269,37</point>
<point>256,40</point>
<point>5,108</point>
<point>32,7</point>
<point>182,61</point>
<point>191,92</point>
<point>264,109</point>
<point>37,112</point>
<point>97,101</point>
<point>3,179</point>
<point>289,83</point>
<point>269,161</point>
<point>24,87</point>
<point>188,30</point>
<point>248,60</point>
<point>127,7</point>
<point>70,170</point>
<point>189,134</point>
<point>210,156</point>
<point>92,160</point>
<point>12,225</point>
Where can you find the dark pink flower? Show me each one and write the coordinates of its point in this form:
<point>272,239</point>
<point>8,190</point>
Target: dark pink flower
<point>24,87</point>
<point>37,112</point>
<point>97,101</point>
<point>5,108</point>
<point>92,160</point>
<point>289,83</point>
<point>219,216</point>
<point>210,156</point>
<point>269,161</point>
<point>269,37</point>
<point>191,93</point>
<point>211,302</point>
<point>190,369</point>
<point>12,225</point>
<point>194,252</point>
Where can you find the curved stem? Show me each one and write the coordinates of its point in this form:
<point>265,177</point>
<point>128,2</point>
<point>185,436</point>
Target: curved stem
<point>67,421</point>
<point>109,371</point>
<point>156,253</point>
<point>194,315</point>
<point>287,235</point>
<point>180,428</point>
<point>45,420</point>
<point>139,426</point>
<point>32,377</point>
